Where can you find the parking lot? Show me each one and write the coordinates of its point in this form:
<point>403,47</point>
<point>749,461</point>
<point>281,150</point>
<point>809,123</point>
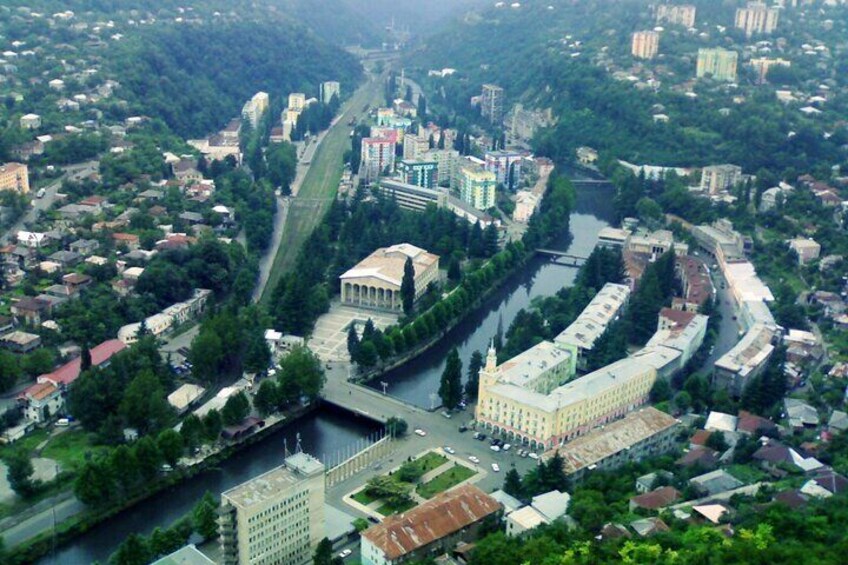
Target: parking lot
<point>329,338</point>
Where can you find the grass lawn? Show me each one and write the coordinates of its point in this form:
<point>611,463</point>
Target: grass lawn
<point>748,474</point>
<point>70,449</point>
<point>427,463</point>
<point>363,498</point>
<point>27,443</point>
<point>445,481</point>
<point>388,509</point>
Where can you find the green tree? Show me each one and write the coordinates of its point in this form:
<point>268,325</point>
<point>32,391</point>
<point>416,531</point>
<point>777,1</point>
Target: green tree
<point>19,473</point>
<point>324,553</point>
<point>170,444</point>
<point>94,485</point>
<point>192,431</point>
<point>302,372</point>
<point>407,287</point>
<point>661,391</point>
<point>206,356</point>
<point>10,370</point>
<point>450,387</point>
<point>473,382</point>
<point>353,342</point>
<point>145,406</point>
<point>134,551</point>
<point>266,399</point>
<point>205,515</point>
<point>512,483</point>
<point>235,409</point>
<point>149,457</point>
<point>396,427</point>
<point>368,355</point>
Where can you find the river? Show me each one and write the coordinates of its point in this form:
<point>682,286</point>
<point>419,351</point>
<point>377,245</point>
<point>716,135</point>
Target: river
<point>417,381</point>
<point>328,430</point>
<point>322,433</point>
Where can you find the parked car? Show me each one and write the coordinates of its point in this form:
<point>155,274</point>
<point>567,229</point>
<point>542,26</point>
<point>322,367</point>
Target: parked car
<point>506,446</point>
<point>495,448</point>
<point>420,432</point>
<point>450,450</point>
<point>482,437</point>
<point>473,459</point>
<point>463,428</point>
<point>345,553</point>
<point>446,414</point>
<point>496,468</point>
<point>533,455</point>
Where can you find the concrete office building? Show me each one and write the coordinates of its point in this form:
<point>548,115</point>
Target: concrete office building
<point>718,63</point>
<point>420,173</point>
<point>278,517</point>
<point>720,177</point>
<point>756,18</point>
<point>683,14</point>
<point>376,280</point>
<point>645,44</point>
<point>412,197</point>
<point>477,186</point>
<point>328,90</point>
<point>492,103</point>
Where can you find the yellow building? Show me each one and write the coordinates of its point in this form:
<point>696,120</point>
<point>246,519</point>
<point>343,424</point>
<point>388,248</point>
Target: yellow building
<point>477,186</point>
<point>645,44</point>
<point>255,108</point>
<point>14,176</point>
<point>718,63</point>
<point>375,281</point>
<point>677,14</point>
<point>297,101</point>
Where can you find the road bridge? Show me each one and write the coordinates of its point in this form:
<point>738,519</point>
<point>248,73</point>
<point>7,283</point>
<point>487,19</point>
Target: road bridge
<point>563,257</point>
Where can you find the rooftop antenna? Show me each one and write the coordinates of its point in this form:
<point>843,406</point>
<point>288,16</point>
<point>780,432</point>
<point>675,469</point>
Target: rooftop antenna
<point>285,449</point>
<point>298,448</point>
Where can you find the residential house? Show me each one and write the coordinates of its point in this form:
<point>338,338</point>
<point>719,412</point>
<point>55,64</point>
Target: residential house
<point>30,121</point>
<point>807,249</point>
<point>131,241</point>
<point>754,425</point>
<point>647,483</point>
<point>68,373</point>
<point>711,512</point>
<point>655,499</point>
<point>186,171</point>
<point>703,457</point>
<point>68,259</point>
<point>41,402</point>
<point>715,482</point>
<point>76,281</point>
<point>31,311</point>
<point>800,414</point>
<point>838,421</point>
<point>647,527</point>
<point>543,509</point>
<point>20,342</point>
<point>778,458</point>
<point>84,247</point>
<point>825,484</point>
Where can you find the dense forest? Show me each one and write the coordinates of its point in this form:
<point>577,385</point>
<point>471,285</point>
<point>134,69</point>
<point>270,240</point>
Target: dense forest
<point>164,71</point>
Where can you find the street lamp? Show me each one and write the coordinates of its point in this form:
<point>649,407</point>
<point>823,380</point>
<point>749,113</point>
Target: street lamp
<point>433,398</point>
<point>385,386</point>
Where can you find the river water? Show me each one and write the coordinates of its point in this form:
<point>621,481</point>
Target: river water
<point>322,433</point>
<point>329,430</point>
<point>417,381</point>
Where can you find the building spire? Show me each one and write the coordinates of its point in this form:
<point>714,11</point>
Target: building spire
<point>491,357</point>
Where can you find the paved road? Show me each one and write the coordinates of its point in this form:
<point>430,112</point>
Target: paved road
<point>72,172</point>
<point>41,522</point>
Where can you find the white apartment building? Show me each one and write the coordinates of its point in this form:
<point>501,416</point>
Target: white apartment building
<point>328,90</point>
<point>645,44</point>
<point>756,18</point>
<point>255,108</point>
<point>278,517</point>
<point>720,177</point>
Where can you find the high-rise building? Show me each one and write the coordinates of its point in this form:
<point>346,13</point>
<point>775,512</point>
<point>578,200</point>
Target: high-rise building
<point>297,101</point>
<point>418,173</point>
<point>414,146</point>
<point>328,90</point>
<point>683,14</point>
<point>447,161</point>
<point>377,158</point>
<point>15,177</point>
<point>506,165</point>
<point>277,517</point>
<point>491,103</point>
<point>718,63</point>
<point>477,186</point>
<point>645,44</point>
<point>254,108</point>
<point>757,18</point>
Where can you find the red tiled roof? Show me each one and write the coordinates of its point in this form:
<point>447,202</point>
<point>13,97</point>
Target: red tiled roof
<point>680,318</point>
<point>68,373</point>
<point>659,498</point>
<point>703,456</point>
<point>753,424</point>
<point>441,516</point>
<point>700,437</point>
<point>38,391</point>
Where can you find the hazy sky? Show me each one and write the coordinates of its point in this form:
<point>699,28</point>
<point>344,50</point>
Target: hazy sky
<point>411,11</point>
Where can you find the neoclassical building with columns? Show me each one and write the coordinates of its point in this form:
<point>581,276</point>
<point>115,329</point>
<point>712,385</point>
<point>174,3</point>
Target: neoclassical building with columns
<point>376,280</point>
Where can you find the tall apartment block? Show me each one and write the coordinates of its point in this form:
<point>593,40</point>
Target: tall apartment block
<point>328,90</point>
<point>491,103</point>
<point>377,158</point>
<point>477,186</point>
<point>718,63</point>
<point>683,14</point>
<point>645,44</point>
<point>278,517</point>
<point>254,108</point>
<point>757,18</point>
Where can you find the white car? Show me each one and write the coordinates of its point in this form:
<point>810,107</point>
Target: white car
<point>506,447</point>
<point>473,459</point>
<point>420,432</point>
<point>345,553</point>
<point>450,450</point>
<point>495,448</point>
<point>533,455</point>
<point>496,468</point>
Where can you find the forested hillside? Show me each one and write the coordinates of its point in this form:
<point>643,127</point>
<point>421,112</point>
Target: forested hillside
<point>197,78</point>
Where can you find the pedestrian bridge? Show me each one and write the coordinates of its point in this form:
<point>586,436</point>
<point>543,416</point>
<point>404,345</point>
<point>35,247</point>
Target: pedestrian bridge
<point>563,257</point>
